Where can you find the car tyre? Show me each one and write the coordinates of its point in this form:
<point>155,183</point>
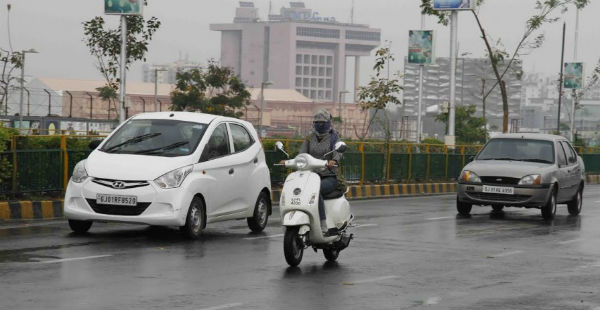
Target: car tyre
<point>260,217</point>
<point>331,254</point>
<point>80,227</point>
<point>195,220</point>
<point>293,246</point>
<point>463,209</point>
<point>576,204</point>
<point>497,208</point>
<point>549,209</point>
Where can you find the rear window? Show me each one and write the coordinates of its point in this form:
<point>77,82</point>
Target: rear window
<point>518,149</point>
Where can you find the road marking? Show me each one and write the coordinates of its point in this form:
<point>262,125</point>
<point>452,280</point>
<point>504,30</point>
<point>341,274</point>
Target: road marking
<point>370,280</point>
<point>504,254</point>
<point>432,301</point>
<point>569,241</point>
<point>72,259</point>
<point>264,237</point>
<point>598,201</point>
<point>225,306</point>
<point>365,225</point>
<point>440,218</point>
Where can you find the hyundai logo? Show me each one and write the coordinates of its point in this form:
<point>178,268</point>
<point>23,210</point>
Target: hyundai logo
<point>499,180</point>
<point>118,184</point>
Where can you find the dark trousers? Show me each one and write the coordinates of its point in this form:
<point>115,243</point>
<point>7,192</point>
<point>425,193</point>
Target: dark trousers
<point>328,185</point>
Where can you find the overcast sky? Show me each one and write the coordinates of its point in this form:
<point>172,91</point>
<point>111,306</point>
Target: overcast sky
<point>54,28</point>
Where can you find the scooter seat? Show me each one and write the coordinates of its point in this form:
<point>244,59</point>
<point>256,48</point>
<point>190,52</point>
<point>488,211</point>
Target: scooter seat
<point>334,195</point>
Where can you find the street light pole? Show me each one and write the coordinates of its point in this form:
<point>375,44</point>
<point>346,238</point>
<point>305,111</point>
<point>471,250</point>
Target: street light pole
<point>156,87</point>
<point>262,106</point>
<point>32,51</point>
<point>340,96</point>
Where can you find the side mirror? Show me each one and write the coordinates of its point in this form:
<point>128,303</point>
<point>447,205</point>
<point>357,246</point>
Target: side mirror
<point>471,158</point>
<point>340,147</point>
<point>94,144</point>
<point>279,146</point>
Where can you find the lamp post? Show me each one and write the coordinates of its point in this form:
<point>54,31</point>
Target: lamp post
<point>340,97</point>
<point>31,51</point>
<point>262,106</point>
<point>156,87</point>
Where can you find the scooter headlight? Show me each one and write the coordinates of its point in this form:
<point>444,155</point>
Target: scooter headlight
<point>174,178</point>
<point>301,162</point>
<point>79,172</point>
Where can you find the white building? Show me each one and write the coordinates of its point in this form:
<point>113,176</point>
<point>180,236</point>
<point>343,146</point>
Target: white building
<point>296,49</point>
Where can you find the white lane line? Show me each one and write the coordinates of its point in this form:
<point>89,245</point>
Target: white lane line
<point>440,218</point>
<point>72,259</point>
<point>264,237</point>
<point>504,254</point>
<point>365,225</point>
<point>569,241</point>
<point>432,301</point>
<point>597,201</point>
<point>370,280</point>
<point>225,306</point>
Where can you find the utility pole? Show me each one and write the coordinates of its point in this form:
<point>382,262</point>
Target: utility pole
<point>420,102</point>
<point>122,90</point>
<point>156,87</point>
<point>574,99</point>
<point>560,86</point>
<point>262,106</point>
<point>451,138</point>
<point>32,51</point>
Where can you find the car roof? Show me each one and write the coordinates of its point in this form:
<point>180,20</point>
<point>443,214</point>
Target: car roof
<point>185,116</point>
<point>534,136</point>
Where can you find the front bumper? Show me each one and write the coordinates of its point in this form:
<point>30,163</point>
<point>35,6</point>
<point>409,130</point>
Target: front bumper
<point>524,196</point>
<point>155,206</point>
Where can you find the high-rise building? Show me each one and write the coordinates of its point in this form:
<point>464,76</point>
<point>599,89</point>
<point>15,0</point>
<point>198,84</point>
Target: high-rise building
<point>296,49</point>
<point>474,79</point>
<point>167,73</point>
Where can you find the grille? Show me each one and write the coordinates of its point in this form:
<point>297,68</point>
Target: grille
<point>498,197</point>
<point>494,180</point>
<point>118,210</point>
<point>125,184</point>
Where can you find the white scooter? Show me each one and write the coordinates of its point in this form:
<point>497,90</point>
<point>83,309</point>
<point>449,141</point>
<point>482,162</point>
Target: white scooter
<point>299,208</point>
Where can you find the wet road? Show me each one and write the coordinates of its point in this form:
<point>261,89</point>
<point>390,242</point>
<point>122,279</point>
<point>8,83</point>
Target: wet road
<point>409,253</point>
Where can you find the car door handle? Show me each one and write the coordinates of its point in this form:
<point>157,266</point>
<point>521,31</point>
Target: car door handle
<point>231,171</point>
<point>255,160</point>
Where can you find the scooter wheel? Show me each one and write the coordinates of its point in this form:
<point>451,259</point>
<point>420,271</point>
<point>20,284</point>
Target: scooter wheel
<point>331,254</point>
<point>293,246</point>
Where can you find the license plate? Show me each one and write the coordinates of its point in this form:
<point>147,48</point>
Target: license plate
<point>118,200</point>
<point>499,190</point>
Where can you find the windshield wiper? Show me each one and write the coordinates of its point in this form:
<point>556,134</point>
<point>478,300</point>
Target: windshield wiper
<point>133,140</point>
<point>499,158</point>
<point>536,160</point>
<point>162,149</point>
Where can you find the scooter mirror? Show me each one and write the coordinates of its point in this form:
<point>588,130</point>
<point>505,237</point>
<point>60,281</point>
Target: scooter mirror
<point>279,145</point>
<point>340,147</point>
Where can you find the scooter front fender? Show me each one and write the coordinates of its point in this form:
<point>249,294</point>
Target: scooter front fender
<point>295,218</point>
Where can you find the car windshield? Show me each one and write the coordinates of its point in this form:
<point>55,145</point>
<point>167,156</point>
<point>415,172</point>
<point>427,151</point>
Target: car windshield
<point>158,137</point>
<point>519,150</point>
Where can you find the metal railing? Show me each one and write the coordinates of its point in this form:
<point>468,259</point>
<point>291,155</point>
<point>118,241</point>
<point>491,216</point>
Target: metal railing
<point>49,169</point>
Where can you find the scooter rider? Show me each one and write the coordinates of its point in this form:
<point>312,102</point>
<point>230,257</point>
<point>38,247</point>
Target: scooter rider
<point>320,142</point>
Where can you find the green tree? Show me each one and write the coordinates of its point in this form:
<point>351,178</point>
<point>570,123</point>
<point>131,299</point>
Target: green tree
<point>105,45</point>
<point>500,59</point>
<point>380,92</point>
<point>9,62</point>
<point>469,129</point>
<point>215,90</point>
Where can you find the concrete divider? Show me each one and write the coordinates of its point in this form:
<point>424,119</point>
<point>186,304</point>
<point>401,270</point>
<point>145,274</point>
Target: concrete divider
<point>30,210</point>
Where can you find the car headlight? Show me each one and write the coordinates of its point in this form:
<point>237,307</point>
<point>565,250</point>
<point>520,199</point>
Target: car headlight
<point>469,176</point>
<point>301,162</point>
<point>79,172</point>
<point>532,179</point>
<point>174,178</point>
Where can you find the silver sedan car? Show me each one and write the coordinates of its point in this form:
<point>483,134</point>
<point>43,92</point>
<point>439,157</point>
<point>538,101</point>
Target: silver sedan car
<point>523,170</point>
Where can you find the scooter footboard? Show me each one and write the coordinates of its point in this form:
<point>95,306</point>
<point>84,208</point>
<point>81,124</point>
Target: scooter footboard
<point>295,218</point>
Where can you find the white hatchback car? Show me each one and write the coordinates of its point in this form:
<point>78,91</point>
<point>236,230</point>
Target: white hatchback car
<point>173,169</point>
